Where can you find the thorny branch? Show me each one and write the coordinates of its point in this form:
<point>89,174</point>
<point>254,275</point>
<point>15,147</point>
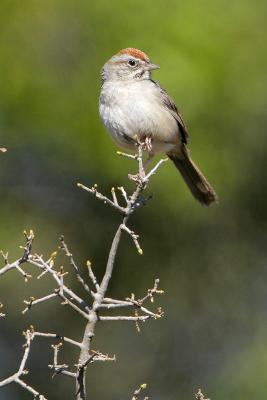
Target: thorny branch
<point>90,311</point>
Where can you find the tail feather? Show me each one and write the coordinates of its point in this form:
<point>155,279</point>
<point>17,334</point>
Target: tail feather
<point>195,180</point>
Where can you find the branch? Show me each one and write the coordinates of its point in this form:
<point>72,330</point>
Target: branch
<point>131,302</point>
<point>93,190</point>
<point>57,368</point>
<point>132,203</point>
<point>64,247</point>
<point>138,391</point>
<point>200,396</point>
<point>91,312</point>
<point>92,275</point>
<point>39,262</point>
<point>134,237</point>
<point>126,318</point>
<point>16,378</point>
<point>56,336</point>
<point>23,259</point>
<point>66,301</point>
<point>32,301</point>
<point>2,314</point>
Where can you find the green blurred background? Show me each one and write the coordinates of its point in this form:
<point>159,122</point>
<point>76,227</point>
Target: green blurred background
<point>212,262</point>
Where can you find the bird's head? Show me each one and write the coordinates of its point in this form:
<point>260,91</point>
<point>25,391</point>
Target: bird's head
<point>128,64</point>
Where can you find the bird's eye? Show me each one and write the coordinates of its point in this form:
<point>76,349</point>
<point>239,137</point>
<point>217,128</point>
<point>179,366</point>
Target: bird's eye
<point>132,63</point>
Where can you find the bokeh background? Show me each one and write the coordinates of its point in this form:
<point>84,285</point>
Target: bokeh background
<point>212,262</point>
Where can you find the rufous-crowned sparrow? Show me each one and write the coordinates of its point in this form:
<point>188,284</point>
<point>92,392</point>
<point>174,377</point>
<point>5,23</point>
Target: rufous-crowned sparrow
<point>134,107</point>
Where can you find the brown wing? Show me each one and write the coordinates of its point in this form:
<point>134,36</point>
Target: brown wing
<point>169,103</point>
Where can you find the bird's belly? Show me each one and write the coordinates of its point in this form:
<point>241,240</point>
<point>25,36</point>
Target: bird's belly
<point>130,118</point>
<point>118,125</point>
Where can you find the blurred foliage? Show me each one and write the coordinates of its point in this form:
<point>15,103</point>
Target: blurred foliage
<point>212,262</point>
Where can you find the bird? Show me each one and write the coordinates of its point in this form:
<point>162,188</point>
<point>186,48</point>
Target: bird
<point>136,109</point>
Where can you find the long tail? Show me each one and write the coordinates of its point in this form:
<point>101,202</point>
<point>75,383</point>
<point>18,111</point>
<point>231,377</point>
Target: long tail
<point>195,180</point>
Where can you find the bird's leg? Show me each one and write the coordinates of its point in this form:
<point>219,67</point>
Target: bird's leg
<point>148,144</point>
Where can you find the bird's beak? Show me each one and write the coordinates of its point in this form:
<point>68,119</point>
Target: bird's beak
<point>151,67</point>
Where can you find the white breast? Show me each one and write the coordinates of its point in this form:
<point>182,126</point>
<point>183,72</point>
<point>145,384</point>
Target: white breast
<point>134,108</point>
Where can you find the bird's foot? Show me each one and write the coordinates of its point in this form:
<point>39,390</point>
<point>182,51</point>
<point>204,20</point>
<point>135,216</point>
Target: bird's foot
<point>147,144</point>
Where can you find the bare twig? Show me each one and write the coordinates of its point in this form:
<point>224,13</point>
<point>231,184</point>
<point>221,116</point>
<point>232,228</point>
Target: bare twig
<point>92,275</point>
<point>32,301</point>
<point>154,170</point>
<point>200,396</point>
<point>138,391</point>
<point>96,356</point>
<point>123,193</point>
<point>24,258</point>
<point>131,302</point>
<point>16,378</point>
<point>126,318</point>
<point>114,196</point>
<point>134,237</point>
<point>151,292</point>
<point>67,301</point>
<point>93,190</point>
<point>132,156</point>
<point>56,336</point>
<point>2,314</point>
<point>64,247</point>
<point>39,262</point>
<point>59,368</point>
